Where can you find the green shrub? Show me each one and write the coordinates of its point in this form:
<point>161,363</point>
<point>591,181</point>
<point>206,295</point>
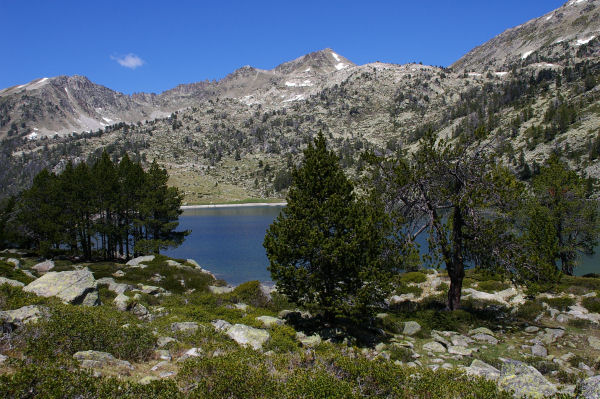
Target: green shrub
<point>542,365</point>
<point>239,374</point>
<point>529,310</point>
<point>8,270</point>
<point>560,303</point>
<point>582,324</point>
<point>250,293</point>
<point>401,353</point>
<point>283,339</point>
<point>443,287</point>
<point>71,329</point>
<point>592,304</point>
<point>317,384</point>
<point>409,289</point>
<point>492,286</point>
<point>413,277</point>
<point>14,298</point>
<point>62,381</point>
<point>577,285</point>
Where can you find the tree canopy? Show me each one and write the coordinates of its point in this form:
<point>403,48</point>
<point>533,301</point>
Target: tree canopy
<point>106,210</point>
<point>325,247</point>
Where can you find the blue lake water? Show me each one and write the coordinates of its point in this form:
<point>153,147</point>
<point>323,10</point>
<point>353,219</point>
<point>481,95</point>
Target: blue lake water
<point>228,242</point>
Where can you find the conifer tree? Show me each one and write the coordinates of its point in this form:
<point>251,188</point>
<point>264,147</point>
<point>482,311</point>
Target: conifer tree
<point>325,247</point>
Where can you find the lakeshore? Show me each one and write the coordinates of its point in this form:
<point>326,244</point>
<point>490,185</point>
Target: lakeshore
<point>245,204</point>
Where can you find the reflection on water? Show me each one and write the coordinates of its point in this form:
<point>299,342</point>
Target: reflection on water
<point>228,242</point>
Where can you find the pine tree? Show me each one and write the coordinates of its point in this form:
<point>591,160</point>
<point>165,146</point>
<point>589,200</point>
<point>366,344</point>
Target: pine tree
<point>325,247</point>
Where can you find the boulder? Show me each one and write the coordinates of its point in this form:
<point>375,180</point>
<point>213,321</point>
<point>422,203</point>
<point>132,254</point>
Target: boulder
<point>139,310</point>
<point>220,290</point>
<point>117,288</point>
<point>151,289</point>
<point>482,369</point>
<point>539,350</point>
<point>188,327</point>
<point>309,341</point>
<point>11,319</point>
<point>44,267</point>
<point>248,336</point>
<point>2,358</point>
<point>193,263</point>
<point>14,283</point>
<point>136,262</point>
<point>481,330</point>
<point>91,299</point>
<point>221,325</point>
<point>460,350</point>
<point>268,321</point>
<point>164,341</point>
<point>119,273</point>
<point>461,340</point>
<point>589,388</point>
<point>434,346</point>
<point>71,287</point>
<point>411,328</point>
<point>531,329</point>
<point>593,342</point>
<point>95,359</point>
<point>241,306</point>
<point>525,381</point>
<point>121,302</point>
<point>485,338</point>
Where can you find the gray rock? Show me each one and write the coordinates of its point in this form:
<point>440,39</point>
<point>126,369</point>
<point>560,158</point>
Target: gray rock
<point>485,338</point>
<point>11,319</point>
<point>139,310</point>
<point>525,380</point>
<point>248,336</point>
<point>411,328</point>
<point>150,289</point>
<point>531,329</point>
<point>135,262</point>
<point>14,283</point>
<point>481,330</point>
<point>72,287</point>
<point>174,263</point>
<point>44,267</point>
<point>268,321</point>
<point>188,327</point>
<point>482,369</point>
<point>310,341</point>
<point>241,306</point>
<point>2,358</point>
<point>95,359</point>
<point>460,350</point>
<point>159,365</point>
<point>221,325</point>
<point>461,340</point>
<point>193,263</point>
<point>193,352</point>
<point>589,388</point>
<point>539,350</point>
<point>91,299</point>
<point>121,302</point>
<point>220,290</point>
<point>164,341</point>
<point>117,288</point>
<point>434,346</point>
<point>594,342</point>
<point>119,273</point>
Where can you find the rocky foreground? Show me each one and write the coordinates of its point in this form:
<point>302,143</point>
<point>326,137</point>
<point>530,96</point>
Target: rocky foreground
<point>159,321</point>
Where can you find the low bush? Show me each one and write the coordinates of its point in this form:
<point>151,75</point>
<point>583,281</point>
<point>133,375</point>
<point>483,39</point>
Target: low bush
<point>8,270</point>
<point>14,298</point>
<point>71,329</point>
<point>561,303</point>
<point>529,310</point>
<point>283,339</point>
<point>250,293</point>
<point>592,304</point>
<point>63,381</point>
<point>413,277</point>
<point>400,353</point>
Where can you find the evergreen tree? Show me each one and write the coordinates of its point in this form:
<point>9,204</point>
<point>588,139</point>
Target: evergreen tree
<point>325,247</point>
<point>563,204</point>
<point>457,195</point>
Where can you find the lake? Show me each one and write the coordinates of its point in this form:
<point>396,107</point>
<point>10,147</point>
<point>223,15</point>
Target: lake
<point>228,242</point>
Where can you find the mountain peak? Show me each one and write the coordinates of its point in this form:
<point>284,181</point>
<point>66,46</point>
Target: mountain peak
<point>318,62</point>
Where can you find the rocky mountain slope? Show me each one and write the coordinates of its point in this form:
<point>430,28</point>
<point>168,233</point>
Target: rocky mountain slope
<point>237,138</point>
<point>562,31</point>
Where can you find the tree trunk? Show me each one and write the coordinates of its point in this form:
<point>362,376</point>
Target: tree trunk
<point>455,291</point>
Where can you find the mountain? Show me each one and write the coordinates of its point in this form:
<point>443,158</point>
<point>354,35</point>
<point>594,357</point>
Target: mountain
<point>63,104</point>
<point>238,137</point>
<point>555,35</point>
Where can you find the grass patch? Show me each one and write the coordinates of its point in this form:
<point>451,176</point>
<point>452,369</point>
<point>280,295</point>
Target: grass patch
<point>413,277</point>
<point>592,304</point>
<point>492,286</point>
<point>8,270</point>
<point>529,310</point>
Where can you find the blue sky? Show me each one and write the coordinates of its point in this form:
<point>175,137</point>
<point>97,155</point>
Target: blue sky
<point>151,46</point>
